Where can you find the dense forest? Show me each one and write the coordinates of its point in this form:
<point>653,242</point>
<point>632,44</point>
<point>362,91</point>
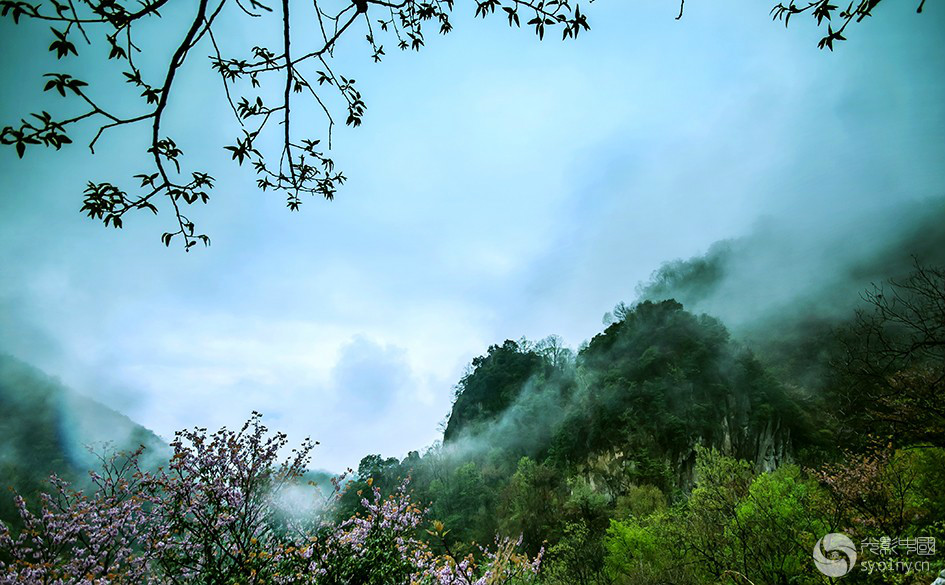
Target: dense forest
<point>669,448</point>
<point>666,452</point>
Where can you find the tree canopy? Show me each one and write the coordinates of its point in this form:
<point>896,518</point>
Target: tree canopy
<point>267,78</point>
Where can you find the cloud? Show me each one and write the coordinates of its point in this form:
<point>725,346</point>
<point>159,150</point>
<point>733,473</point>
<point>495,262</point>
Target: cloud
<point>783,269</point>
<point>499,187</point>
<point>370,377</point>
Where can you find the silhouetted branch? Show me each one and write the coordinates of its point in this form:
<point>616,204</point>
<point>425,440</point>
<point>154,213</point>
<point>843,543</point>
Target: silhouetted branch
<point>303,167</point>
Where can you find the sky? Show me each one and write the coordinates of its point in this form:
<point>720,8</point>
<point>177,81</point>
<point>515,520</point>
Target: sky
<point>499,187</point>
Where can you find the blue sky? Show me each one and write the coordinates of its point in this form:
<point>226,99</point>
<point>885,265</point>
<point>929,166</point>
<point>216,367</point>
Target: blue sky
<point>499,187</point>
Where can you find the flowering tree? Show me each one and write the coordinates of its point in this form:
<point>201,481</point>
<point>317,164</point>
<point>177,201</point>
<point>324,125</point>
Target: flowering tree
<point>213,516</point>
<point>77,538</point>
<point>216,502</point>
<point>884,490</point>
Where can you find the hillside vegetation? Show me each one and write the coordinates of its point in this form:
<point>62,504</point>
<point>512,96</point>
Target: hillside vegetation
<point>664,450</point>
<point>48,429</point>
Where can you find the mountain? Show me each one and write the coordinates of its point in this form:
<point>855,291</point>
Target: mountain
<point>785,288</point>
<point>642,395</point>
<point>47,428</point>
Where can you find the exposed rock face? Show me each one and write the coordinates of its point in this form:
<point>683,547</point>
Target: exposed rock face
<point>768,447</point>
<point>773,447</point>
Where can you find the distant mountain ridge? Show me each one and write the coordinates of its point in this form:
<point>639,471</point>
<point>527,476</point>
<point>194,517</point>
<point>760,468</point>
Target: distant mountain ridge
<point>47,428</point>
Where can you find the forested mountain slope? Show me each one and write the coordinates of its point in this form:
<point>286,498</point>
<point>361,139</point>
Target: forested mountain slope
<point>644,393</point>
<point>46,428</point>
<point>670,448</point>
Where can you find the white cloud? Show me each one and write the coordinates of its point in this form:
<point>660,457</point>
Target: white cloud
<point>500,187</point>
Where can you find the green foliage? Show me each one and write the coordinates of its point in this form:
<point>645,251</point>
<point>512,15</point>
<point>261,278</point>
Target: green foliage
<point>763,527</point>
<point>533,491</point>
<point>735,525</point>
<point>662,380</point>
<point>553,448</point>
<point>373,471</point>
<point>587,505</point>
<point>644,551</point>
<point>929,486</point>
<point>577,558</point>
<point>887,490</point>
<point>464,502</point>
<point>661,453</point>
<point>781,518</point>
<point>494,383</point>
<point>640,502</point>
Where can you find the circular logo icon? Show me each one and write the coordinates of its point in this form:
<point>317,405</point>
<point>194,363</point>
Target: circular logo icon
<point>834,555</point>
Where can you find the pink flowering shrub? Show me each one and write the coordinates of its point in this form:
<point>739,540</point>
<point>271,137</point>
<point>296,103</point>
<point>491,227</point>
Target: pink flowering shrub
<point>212,516</point>
<point>380,546</point>
<point>214,500</point>
<point>81,539</point>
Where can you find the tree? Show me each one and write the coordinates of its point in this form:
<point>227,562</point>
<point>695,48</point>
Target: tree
<point>740,527</point>
<point>214,516</point>
<point>888,491</point>
<point>465,503</point>
<point>893,366</point>
<point>577,559</point>
<point>823,10</point>
<point>259,82</point>
<point>529,501</point>
<point>644,550</point>
<point>493,383</point>
<point>555,352</point>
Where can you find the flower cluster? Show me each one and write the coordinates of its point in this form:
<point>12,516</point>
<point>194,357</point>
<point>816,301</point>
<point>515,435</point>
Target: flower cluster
<point>212,515</point>
<point>79,539</point>
<point>382,544</point>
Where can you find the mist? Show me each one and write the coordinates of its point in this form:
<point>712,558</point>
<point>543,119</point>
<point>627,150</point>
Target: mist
<point>797,268</point>
<point>783,290</point>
